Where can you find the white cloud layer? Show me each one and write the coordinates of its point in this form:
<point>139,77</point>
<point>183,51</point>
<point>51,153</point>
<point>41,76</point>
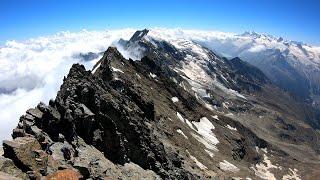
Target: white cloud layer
<point>32,71</point>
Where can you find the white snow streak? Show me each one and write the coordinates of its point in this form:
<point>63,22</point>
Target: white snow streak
<point>181,132</point>
<point>215,117</point>
<point>116,70</point>
<point>226,166</point>
<point>198,163</point>
<point>174,99</point>
<point>292,175</point>
<point>231,128</point>
<point>152,75</point>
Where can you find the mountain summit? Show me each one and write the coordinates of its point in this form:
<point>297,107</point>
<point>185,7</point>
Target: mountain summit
<point>179,112</point>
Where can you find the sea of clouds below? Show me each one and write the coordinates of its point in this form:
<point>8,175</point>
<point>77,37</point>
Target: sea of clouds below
<point>33,70</point>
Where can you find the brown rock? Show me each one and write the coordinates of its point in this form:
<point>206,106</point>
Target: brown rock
<point>27,154</point>
<point>22,151</point>
<point>66,174</point>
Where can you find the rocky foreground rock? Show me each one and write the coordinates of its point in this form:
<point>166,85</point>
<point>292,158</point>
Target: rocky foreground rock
<point>130,119</point>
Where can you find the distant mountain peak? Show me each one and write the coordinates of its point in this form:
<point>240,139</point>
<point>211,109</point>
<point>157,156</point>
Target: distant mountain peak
<point>250,34</point>
<point>255,35</point>
<point>138,35</point>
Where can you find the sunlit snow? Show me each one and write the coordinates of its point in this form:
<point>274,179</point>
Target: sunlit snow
<point>227,166</point>
<point>181,132</point>
<point>174,99</point>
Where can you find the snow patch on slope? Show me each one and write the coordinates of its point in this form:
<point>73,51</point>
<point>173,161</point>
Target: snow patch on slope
<point>174,99</point>
<point>152,75</point>
<point>262,170</point>
<point>292,175</point>
<point>180,41</point>
<point>185,121</point>
<point>95,68</point>
<point>198,163</point>
<point>207,138</point>
<point>181,132</point>
<point>231,128</point>
<point>209,152</point>
<point>227,166</point>
<point>116,70</point>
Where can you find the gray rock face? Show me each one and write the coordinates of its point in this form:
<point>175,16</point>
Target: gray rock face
<point>5,176</point>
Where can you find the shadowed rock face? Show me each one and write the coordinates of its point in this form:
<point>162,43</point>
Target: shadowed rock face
<point>89,110</point>
<point>142,120</point>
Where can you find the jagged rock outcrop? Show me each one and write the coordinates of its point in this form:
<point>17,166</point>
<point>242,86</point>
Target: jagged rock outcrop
<point>91,120</point>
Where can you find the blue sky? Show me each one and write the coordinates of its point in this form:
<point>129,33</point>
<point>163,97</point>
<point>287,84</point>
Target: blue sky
<point>291,19</point>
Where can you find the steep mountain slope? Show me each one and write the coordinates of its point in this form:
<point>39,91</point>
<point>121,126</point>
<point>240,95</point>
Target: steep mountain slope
<point>294,66</point>
<point>180,112</point>
<point>218,82</point>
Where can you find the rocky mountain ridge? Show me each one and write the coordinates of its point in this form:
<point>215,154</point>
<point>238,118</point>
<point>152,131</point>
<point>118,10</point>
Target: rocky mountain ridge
<point>174,114</point>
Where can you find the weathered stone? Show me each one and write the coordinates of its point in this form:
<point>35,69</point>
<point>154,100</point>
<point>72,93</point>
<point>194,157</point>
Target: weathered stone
<point>18,133</point>
<point>86,111</point>
<point>35,112</point>
<point>55,114</point>
<point>43,107</point>
<point>30,117</point>
<point>6,176</point>
<point>24,151</point>
<point>90,161</point>
<point>68,115</point>
<point>7,166</point>
<point>62,152</point>
<point>68,174</point>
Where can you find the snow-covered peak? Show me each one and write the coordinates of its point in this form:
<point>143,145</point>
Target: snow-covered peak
<point>139,35</point>
<point>294,51</point>
<point>242,45</point>
<point>269,53</point>
<point>196,61</point>
<point>252,34</point>
<point>179,41</point>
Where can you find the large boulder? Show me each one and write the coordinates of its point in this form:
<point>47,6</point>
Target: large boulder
<point>27,154</point>
<point>9,169</point>
<point>67,174</point>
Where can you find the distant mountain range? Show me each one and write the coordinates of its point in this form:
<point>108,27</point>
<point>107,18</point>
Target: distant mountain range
<point>293,66</point>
